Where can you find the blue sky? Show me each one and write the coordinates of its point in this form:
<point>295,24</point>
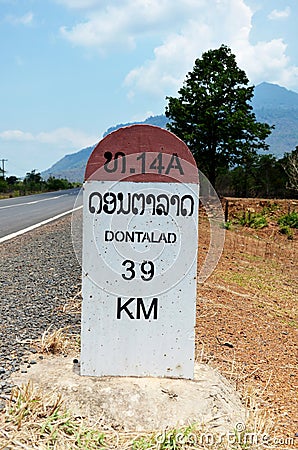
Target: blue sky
<point>70,69</point>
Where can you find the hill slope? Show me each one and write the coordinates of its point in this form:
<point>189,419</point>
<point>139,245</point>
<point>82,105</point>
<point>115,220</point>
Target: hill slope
<point>273,104</point>
<point>71,166</point>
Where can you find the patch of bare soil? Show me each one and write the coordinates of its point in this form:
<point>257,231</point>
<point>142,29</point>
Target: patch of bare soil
<point>247,316</point>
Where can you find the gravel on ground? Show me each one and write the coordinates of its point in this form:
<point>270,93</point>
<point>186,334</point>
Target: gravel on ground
<point>39,272</point>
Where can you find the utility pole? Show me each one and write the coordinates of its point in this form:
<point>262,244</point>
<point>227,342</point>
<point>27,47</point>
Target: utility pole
<point>3,161</point>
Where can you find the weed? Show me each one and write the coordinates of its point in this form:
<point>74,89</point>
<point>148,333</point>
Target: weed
<point>286,229</point>
<point>143,443</point>
<point>270,208</point>
<point>289,220</point>
<point>226,225</point>
<point>287,223</point>
<point>253,220</point>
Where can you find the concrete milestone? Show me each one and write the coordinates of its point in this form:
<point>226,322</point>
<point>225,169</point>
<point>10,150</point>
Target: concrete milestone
<point>140,234</point>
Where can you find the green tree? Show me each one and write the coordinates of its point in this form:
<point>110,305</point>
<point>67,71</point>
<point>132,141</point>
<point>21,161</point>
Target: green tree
<point>263,176</point>
<point>213,114</point>
<point>33,177</point>
<point>33,181</point>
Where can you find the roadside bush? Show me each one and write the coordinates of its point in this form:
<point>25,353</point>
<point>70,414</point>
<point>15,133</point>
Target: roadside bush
<point>3,185</point>
<point>55,184</point>
<point>33,183</point>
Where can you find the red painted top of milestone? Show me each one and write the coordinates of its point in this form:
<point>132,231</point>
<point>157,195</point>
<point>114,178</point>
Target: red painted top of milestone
<point>141,153</point>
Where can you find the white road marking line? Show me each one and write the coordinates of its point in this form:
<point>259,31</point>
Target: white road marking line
<point>32,227</point>
<point>31,203</point>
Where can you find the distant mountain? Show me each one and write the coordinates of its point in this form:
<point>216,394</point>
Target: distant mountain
<point>158,121</point>
<point>70,166</point>
<point>268,95</point>
<point>273,104</point>
<point>73,166</point>
<point>278,106</point>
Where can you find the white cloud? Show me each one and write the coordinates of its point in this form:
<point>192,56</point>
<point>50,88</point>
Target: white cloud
<point>16,135</point>
<point>228,22</point>
<point>62,137</point>
<point>99,31</point>
<point>121,24</point>
<point>280,14</point>
<point>171,61</point>
<point>268,61</point>
<point>26,19</point>
<point>185,29</point>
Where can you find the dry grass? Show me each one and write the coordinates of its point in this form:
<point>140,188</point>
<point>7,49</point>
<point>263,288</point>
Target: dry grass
<point>35,420</point>
<point>58,341</point>
<point>251,301</point>
<point>54,342</point>
<point>258,421</point>
<point>73,305</point>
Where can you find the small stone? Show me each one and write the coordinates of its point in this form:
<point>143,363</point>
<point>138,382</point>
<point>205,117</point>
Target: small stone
<point>2,370</point>
<point>228,344</point>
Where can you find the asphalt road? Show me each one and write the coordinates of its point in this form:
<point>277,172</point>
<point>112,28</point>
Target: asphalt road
<point>21,212</point>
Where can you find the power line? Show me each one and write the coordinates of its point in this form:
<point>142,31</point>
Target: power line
<point>3,161</point>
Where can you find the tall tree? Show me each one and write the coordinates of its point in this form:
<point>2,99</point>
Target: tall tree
<point>213,116</point>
